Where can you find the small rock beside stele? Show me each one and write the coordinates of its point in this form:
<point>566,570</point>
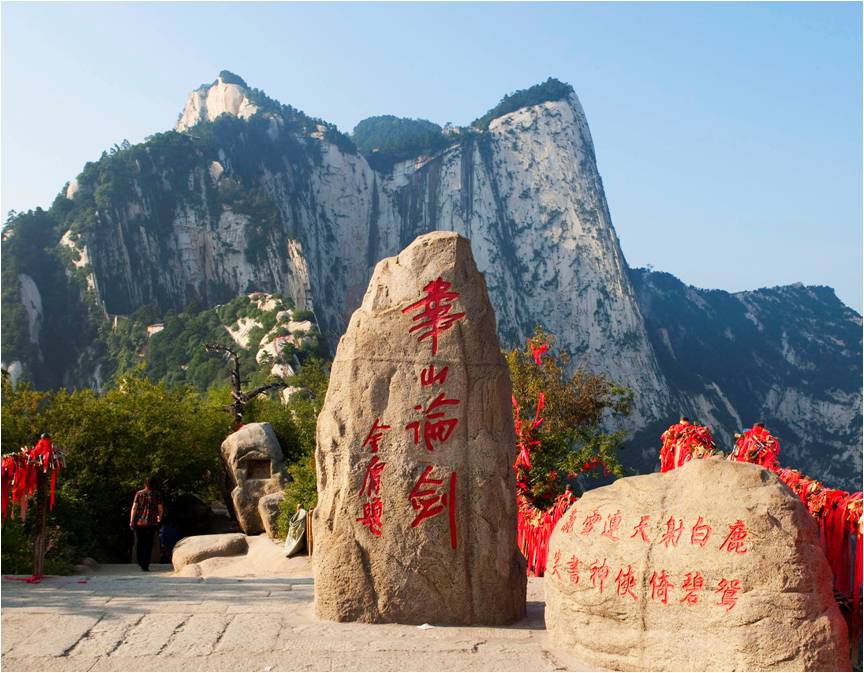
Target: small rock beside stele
<point>268,510</point>
<point>416,514</point>
<point>255,464</point>
<point>712,566</point>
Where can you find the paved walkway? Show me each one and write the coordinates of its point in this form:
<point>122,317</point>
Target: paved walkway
<point>121,619</point>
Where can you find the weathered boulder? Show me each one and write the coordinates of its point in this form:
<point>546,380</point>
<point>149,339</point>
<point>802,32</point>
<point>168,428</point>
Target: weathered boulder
<point>255,463</point>
<point>416,514</point>
<point>268,510</point>
<point>191,570</point>
<point>200,547</point>
<point>712,566</point>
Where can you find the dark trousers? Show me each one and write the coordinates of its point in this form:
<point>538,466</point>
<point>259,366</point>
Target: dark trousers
<point>144,544</point>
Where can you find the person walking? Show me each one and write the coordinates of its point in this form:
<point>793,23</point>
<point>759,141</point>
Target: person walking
<point>147,510</point>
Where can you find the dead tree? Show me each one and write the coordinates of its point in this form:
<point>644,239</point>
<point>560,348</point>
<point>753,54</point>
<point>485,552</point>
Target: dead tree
<point>240,398</point>
<point>236,408</point>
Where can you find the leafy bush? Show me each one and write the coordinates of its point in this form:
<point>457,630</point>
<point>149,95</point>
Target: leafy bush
<point>303,314</point>
<point>302,491</point>
<point>550,90</point>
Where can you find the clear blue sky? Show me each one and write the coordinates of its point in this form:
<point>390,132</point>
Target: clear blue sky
<point>729,136</point>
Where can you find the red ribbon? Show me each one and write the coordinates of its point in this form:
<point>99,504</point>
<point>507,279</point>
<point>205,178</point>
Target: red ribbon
<point>33,579</point>
<point>537,352</point>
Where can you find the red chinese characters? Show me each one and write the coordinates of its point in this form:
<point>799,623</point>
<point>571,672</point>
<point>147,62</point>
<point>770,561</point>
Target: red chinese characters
<point>567,526</point>
<point>734,542</point>
<point>700,533</point>
<point>613,522</point>
<point>375,434</point>
<point>429,376</point>
<point>429,500</point>
<point>434,493</point>
<point>436,428</point>
<point>599,573</point>
<point>372,516</point>
<point>555,560</point>
<point>573,568</point>
<point>673,533</point>
<point>692,586</point>
<point>590,521</point>
<point>641,529</point>
<point>626,582</point>
<point>660,585</point>
<point>435,315</point>
<point>728,590</point>
<point>373,509</point>
<point>372,479</point>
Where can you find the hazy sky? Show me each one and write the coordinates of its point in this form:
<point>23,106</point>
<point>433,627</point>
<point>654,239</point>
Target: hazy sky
<point>728,135</point>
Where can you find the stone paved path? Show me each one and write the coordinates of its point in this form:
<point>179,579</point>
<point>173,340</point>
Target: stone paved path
<point>122,619</point>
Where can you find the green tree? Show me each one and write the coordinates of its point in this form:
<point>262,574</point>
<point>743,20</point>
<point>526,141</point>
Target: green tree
<point>23,422</point>
<point>576,407</point>
<point>112,442</point>
<point>22,414</point>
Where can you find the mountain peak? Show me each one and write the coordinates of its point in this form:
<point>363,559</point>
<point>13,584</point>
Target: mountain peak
<point>550,90</point>
<point>228,94</point>
<point>229,77</point>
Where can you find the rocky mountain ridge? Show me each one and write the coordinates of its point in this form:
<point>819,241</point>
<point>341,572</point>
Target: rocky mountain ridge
<point>250,195</point>
<point>787,356</point>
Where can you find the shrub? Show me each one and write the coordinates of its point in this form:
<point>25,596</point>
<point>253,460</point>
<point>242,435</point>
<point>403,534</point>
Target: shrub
<point>112,442</point>
<point>301,490</point>
<point>304,406</point>
<point>398,138</point>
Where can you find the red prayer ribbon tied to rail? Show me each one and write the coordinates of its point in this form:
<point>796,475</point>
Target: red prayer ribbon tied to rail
<point>20,475</point>
<point>684,441</point>
<point>535,526</point>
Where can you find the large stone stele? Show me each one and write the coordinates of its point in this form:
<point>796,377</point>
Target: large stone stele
<point>412,574</point>
<point>781,616</point>
<point>254,459</point>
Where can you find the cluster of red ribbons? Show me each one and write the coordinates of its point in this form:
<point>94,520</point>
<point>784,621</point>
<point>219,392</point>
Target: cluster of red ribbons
<point>837,512</point>
<point>534,525</point>
<point>684,441</point>
<point>535,528</point>
<point>20,475</point>
<point>757,446</point>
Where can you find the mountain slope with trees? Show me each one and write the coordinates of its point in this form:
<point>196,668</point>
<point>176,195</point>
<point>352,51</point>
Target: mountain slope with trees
<point>249,195</point>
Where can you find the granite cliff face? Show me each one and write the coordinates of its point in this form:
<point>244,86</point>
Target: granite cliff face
<point>251,195</point>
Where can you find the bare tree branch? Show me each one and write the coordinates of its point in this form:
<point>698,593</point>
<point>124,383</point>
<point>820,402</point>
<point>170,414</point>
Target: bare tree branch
<point>240,398</point>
